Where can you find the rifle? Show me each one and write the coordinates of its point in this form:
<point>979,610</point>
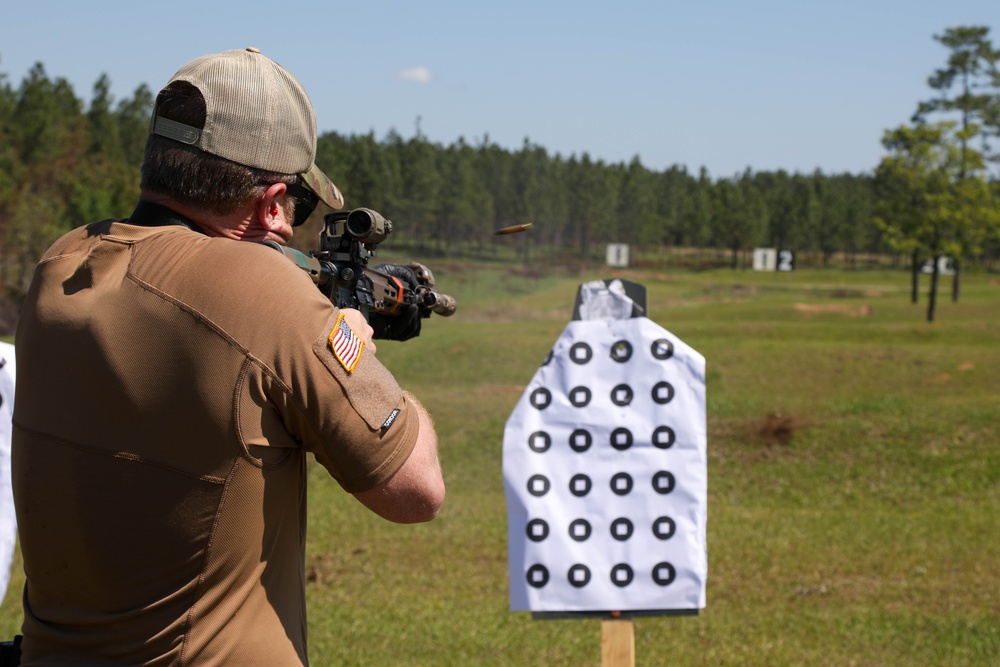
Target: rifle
<point>339,268</point>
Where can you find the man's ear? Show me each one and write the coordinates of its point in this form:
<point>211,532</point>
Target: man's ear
<point>268,206</point>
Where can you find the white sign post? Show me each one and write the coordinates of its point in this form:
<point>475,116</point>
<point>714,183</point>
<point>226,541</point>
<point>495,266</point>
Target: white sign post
<point>765,259</point>
<point>945,265</point>
<point>617,255</point>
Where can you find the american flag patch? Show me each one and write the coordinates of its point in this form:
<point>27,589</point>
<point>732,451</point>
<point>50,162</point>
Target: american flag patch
<point>345,344</point>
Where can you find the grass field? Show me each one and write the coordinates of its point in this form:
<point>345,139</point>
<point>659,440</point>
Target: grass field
<point>854,480</point>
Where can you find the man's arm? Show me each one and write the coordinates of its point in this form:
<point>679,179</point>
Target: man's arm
<point>415,493</point>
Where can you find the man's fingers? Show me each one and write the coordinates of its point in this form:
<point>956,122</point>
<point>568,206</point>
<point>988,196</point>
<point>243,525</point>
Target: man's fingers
<point>360,326</point>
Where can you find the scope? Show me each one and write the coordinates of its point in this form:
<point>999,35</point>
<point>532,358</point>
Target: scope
<point>367,226</point>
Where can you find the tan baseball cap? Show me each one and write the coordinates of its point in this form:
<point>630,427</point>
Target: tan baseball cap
<point>258,115</point>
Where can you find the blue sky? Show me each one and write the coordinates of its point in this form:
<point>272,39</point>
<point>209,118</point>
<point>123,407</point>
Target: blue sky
<point>725,84</point>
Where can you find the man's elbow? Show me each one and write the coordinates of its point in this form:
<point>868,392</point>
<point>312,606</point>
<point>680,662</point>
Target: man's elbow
<point>427,507</point>
<point>410,503</point>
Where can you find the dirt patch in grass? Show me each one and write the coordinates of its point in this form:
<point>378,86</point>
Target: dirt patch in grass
<point>320,569</point>
<point>326,568</point>
<point>775,429</point>
<point>749,441</point>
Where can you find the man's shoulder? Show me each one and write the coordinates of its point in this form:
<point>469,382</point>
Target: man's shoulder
<point>203,271</point>
<point>245,262</point>
<point>72,241</point>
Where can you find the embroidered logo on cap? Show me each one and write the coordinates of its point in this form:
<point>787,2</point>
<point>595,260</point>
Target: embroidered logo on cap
<point>345,344</point>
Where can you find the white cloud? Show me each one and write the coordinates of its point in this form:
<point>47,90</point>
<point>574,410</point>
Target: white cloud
<point>420,75</point>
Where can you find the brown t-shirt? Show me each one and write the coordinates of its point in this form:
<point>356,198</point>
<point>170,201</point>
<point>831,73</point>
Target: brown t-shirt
<point>169,387</point>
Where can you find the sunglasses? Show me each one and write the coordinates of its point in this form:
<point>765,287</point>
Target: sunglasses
<point>305,201</point>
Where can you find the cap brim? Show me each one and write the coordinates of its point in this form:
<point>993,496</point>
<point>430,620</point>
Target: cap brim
<point>324,188</point>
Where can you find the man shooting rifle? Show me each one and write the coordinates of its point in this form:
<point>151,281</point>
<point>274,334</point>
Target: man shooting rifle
<point>173,376</point>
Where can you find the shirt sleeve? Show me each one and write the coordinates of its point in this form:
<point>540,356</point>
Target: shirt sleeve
<point>329,392</point>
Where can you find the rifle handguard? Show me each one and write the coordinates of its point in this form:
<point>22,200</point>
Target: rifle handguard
<point>370,290</point>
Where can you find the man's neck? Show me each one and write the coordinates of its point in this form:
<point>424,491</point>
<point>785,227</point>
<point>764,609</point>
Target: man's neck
<point>236,225</point>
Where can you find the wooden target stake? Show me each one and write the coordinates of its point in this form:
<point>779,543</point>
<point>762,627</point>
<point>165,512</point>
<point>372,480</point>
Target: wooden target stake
<point>617,643</point>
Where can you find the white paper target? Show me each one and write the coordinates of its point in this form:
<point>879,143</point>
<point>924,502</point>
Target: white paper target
<point>605,473</point>
<point>8,521</point>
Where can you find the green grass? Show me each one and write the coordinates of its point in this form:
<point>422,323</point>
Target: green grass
<point>854,480</point>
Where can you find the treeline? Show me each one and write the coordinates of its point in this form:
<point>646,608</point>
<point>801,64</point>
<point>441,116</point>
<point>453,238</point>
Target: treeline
<point>62,165</point>
<point>65,163</point>
<point>455,197</point>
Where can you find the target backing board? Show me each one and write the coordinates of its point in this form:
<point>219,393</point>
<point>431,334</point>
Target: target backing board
<point>605,467</point>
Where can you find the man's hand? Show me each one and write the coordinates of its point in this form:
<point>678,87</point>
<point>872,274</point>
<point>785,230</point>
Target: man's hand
<point>405,323</point>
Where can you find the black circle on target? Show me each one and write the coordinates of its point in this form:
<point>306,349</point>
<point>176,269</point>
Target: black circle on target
<point>664,574</point>
<point>539,441</point>
<point>541,398</point>
<point>621,439</point>
<point>621,529</point>
<point>663,392</point>
<point>579,396</point>
<point>580,530</point>
<point>537,530</point>
<point>621,351</point>
<point>662,349</point>
<point>621,575</point>
<point>621,395</point>
<point>580,485</point>
<point>537,576</point>
<point>664,527</point>
<point>663,437</point>
<point>580,353</point>
<point>621,484</point>
<point>663,482</point>
<point>580,440</point>
<point>538,485</point>
<point>578,575</point>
